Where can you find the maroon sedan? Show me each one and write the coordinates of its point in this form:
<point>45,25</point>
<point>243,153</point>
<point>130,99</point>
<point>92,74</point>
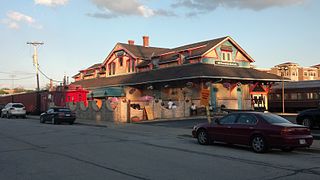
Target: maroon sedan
<point>261,131</point>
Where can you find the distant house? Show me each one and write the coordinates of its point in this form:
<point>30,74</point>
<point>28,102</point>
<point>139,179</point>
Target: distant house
<point>295,72</point>
<point>132,72</point>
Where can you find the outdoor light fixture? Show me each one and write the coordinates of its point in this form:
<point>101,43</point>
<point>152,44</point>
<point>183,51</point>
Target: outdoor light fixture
<point>283,70</point>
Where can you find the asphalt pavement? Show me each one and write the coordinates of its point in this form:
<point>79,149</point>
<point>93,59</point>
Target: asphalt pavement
<point>181,123</point>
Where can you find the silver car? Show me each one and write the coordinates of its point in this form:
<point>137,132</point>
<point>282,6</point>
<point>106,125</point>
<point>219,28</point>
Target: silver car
<point>13,109</point>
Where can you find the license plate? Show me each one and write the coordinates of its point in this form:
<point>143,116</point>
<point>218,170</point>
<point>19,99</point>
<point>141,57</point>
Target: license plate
<point>67,114</point>
<point>302,141</point>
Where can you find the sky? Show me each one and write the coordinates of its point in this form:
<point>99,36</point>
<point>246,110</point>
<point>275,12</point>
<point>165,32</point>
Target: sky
<point>79,33</point>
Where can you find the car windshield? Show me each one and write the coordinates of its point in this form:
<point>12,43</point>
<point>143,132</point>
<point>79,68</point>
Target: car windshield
<point>274,119</point>
<point>17,105</point>
<point>63,110</point>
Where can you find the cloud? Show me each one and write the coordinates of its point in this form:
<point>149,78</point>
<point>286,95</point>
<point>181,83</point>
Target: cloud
<point>15,19</point>
<point>203,6</point>
<point>117,8</point>
<point>51,3</point>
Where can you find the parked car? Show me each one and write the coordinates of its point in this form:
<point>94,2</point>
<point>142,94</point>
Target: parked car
<point>57,115</point>
<point>261,131</point>
<point>309,118</point>
<point>13,109</point>
<point>1,107</point>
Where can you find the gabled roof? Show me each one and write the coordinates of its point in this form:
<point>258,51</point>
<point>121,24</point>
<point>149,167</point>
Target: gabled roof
<point>137,51</point>
<point>197,50</point>
<point>182,72</point>
<point>95,66</point>
<point>143,52</point>
<point>287,63</point>
<point>316,66</point>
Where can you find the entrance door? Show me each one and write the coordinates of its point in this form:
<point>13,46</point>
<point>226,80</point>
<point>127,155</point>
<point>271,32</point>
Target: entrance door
<point>239,93</point>
<point>213,98</point>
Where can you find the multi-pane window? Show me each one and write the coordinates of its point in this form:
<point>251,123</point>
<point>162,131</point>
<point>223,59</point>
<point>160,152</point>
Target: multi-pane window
<point>112,68</point>
<point>121,60</point>
<point>130,65</point>
<point>226,56</point>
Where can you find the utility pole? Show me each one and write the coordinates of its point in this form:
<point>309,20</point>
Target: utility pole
<point>35,60</point>
<point>36,64</point>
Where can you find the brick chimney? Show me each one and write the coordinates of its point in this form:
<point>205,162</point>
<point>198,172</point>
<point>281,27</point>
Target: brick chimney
<point>145,41</point>
<point>131,42</point>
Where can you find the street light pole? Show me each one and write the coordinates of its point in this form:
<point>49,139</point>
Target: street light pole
<point>283,70</point>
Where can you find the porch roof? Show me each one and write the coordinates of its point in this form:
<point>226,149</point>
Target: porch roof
<point>182,72</point>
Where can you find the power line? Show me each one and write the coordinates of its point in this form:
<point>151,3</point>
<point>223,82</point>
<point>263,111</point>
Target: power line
<point>41,72</point>
<point>3,72</point>
<point>29,77</point>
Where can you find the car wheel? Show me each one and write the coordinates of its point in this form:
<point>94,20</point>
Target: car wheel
<point>287,149</point>
<point>203,137</point>
<point>42,120</point>
<point>307,122</point>
<point>8,116</point>
<point>54,121</point>
<point>258,144</point>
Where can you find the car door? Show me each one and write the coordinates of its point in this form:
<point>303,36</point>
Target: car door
<point>243,128</point>
<point>222,130</point>
<point>48,114</point>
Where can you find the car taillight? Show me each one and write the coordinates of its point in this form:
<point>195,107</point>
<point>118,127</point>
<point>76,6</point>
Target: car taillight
<point>61,114</point>
<point>23,108</point>
<point>286,131</point>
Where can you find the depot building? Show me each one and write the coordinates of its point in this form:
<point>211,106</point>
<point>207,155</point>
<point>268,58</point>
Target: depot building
<point>146,78</point>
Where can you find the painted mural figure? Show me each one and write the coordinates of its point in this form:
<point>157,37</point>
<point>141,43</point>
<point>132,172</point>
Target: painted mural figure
<point>193,109</point>
<point>170,103</point>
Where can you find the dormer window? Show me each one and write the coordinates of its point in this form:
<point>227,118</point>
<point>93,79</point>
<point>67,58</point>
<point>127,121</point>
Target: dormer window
<point>226,53</point>
<point>121,60</point>
<point>226,56</point>
<point>112,68</point>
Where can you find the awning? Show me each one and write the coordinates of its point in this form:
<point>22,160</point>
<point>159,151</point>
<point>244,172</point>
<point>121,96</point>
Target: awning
<point>107,92</point>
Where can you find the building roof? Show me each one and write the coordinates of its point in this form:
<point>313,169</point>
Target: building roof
<point>316,66</point>
<point>94,66</point>
<point>287,63</point>
<point>182,72</point>
<point>143,52</point>
<point>298,84</point>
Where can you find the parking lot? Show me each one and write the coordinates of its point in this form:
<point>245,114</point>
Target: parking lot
<point>159,150</point>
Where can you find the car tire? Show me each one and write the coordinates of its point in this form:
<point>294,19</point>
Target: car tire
<point>307,122</point>
<point>287,149</point>
<point>203,137</point>
<point>42,120</point>
<point>54,121</point>
<point>8,116</point>
<point>258,144</point>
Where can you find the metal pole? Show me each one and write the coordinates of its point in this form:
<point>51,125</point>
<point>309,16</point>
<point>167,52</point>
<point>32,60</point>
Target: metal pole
<point>282,93</point>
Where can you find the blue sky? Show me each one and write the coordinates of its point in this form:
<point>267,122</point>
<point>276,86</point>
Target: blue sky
<point>79,33</point>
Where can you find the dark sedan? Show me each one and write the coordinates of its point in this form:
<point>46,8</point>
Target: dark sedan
<point>309,118</point>
<point>261,131</point>
<point>58,115</point>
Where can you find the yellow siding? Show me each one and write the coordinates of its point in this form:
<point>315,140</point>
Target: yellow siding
<point>212,54</point>
<point>241,57</point>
